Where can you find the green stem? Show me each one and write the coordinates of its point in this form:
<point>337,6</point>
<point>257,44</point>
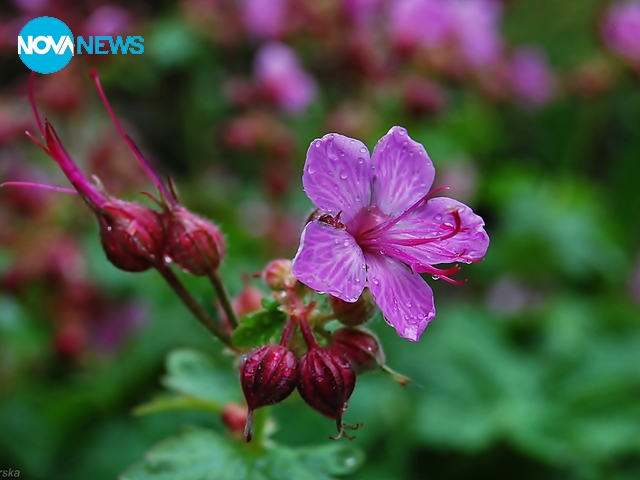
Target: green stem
<point>218,285</point>
<point>260,418</point>
<point>190,302</point>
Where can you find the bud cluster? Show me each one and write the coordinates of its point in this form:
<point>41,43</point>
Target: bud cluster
<point>134,237</point>
<point>324,376</point>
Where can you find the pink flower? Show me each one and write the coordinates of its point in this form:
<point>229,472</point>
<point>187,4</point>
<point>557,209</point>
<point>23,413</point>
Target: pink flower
<point>378,227</point>
<point>420,22</point>
<point>621,29</point>
<point>107,20</point>
<point>264,19</point>
<point>530,76</point>
<point>278,71</point>
<point>476,27</point>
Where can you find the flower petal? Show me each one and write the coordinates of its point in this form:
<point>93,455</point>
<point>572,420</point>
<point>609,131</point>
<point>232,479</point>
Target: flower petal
<point>336,175</point>
<point>405,299</point>
<point>403,172</point>
<point>330,261</point>
<point>442,230</point>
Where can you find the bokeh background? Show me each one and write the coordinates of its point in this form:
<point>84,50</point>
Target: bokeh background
<point>530,112</point>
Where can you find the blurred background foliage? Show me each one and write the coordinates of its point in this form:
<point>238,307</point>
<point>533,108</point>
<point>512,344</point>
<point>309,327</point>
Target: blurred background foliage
<point>530,112</point>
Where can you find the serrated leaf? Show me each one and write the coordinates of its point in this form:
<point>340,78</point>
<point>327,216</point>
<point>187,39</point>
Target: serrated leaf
<point>196,375</point>
<point>257,328</point>
<point>200,454</point>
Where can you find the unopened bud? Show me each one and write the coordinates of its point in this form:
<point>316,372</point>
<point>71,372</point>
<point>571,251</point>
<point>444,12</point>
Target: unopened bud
<point>193,243</point>
<point>249,300</point>
<point>131,234</point>
<point>361,347</point>
<point>356,313</point>
<point>267,376</point>
<point>277,275</point>
<point>326,380</point>
<point>234,416</point>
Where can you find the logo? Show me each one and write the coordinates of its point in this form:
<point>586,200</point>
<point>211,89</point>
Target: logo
<point>46,45</point>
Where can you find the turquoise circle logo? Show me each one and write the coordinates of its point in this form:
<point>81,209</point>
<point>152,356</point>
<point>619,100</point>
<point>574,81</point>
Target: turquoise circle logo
<point>45,44</point>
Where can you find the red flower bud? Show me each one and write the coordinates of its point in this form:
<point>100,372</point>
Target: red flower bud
<point>355,313</point>
<point>326,380</point>
<point>267,376</point>
<point>361,347</point>
<point>277,275</point>
<point>131,234</point>
<point>193,243</point>
<point>234,416</point>
<point>249,300</point>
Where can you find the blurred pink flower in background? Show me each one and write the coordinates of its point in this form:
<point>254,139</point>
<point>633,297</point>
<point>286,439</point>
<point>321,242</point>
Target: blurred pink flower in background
<point>265,19</point>
<point>108,20</point>
<point>530,76</point>
<point>278,70</point>
<point>414,23</point>
<point>476,26</point>
<point>31,5</point>
<point>362,12</point>
<point>621,29</point>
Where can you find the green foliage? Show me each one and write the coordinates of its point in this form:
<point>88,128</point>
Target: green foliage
<point>259,327</point>
<point>198,382</point>
<point>202,454</point>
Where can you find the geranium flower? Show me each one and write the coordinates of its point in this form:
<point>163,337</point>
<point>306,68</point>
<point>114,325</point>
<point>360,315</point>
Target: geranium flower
<point>621,29</point>
<point>379,228</point>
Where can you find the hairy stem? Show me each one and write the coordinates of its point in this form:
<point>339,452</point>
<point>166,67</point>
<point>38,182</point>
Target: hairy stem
<point>190,302</point>
<point>225,301</point>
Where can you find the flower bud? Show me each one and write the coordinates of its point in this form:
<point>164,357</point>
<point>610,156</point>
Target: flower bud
<point>131,234</point>
<point>277,275</point>
<point>326,380</point>
<point>234,416</point>
<point>267,376</point>
<point>193,243</point>
<point>249,300</point>
<point>356,313</point>
<point>361,347</point>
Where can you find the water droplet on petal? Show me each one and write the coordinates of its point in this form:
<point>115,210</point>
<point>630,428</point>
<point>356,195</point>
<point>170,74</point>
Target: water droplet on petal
<point>360,160</point>
<point>343,175</point>
<point>346,243</point>
<point>363,150</point>
<point>435,277</point>
<point>409,304</point>
<point>375,281</point>
<point>438,217</point>
<point>318,144</point>
<point>357,280</point>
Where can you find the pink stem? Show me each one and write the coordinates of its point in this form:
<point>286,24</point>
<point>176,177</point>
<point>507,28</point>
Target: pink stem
<point>32,101</point>
<point>307,334</point>
<point>38,185</point>
<point>70,169</point>
<point>93,73</point>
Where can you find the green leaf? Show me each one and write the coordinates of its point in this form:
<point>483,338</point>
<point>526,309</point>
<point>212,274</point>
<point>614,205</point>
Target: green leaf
<point>198,376</point>
<point>200,454</point>
<point>257,328</point>
<point>165,403</point>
